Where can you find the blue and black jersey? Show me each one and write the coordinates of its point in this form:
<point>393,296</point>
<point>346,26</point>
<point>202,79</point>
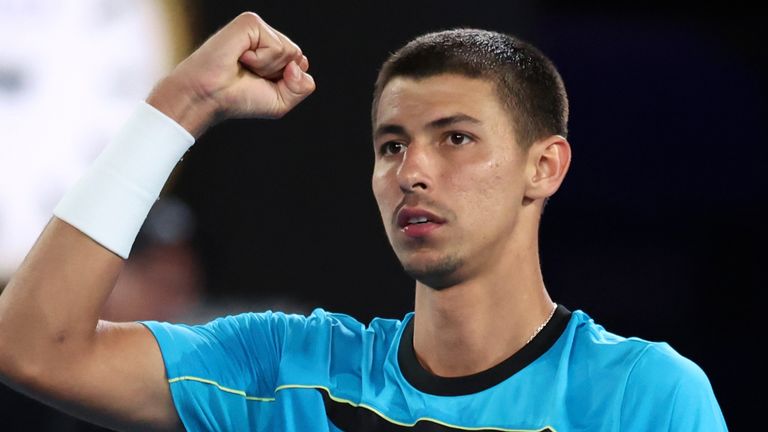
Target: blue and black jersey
<point>329,372</point>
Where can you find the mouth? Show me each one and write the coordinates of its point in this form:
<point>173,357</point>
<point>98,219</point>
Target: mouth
<point>415,222</point>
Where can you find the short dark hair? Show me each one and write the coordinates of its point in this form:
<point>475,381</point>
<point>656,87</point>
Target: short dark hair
<point>528,82</point>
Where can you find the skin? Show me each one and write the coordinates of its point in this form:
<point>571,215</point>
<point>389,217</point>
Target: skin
<point>482,263</point>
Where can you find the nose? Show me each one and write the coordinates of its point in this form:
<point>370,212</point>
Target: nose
<point>413,174</point>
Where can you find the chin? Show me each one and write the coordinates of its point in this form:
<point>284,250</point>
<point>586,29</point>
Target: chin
<point>436,274</point>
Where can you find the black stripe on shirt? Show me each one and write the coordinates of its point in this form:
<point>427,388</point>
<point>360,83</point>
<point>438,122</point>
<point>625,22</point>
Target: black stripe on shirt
<point>350,418</point>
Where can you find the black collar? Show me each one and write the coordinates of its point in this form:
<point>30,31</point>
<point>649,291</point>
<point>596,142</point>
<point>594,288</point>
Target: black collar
<point>426,382</point>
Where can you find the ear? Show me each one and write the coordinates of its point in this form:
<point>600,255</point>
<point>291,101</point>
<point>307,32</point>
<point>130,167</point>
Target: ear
<point>547,163</point>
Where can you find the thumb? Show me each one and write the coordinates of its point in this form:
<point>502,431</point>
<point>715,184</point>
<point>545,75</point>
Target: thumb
<point>295,85</point>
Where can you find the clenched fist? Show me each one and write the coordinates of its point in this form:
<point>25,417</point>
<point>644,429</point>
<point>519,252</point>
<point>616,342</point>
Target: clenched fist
<point>246,69</point>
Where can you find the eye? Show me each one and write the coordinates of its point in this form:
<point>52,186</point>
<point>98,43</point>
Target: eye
<point>391,148</point>
<point>457,138</point>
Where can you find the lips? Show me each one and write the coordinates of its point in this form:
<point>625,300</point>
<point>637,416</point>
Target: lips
<point>408,216</point>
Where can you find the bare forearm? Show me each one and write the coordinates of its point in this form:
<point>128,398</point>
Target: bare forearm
<point>51,306</point>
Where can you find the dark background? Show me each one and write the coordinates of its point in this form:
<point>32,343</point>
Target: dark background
<point>657,232</point>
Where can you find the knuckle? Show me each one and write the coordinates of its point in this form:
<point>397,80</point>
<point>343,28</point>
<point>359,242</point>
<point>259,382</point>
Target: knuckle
<point>250,17</point>
<point>250,21</point>
<point>296,51</point>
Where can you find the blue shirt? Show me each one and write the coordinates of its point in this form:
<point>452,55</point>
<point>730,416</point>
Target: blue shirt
<point>328,372</point>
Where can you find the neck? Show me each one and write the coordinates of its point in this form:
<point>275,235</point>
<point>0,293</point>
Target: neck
<point>478,323</point>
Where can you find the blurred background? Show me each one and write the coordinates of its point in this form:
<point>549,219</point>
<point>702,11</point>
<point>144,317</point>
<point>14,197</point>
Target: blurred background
<point>657,232</point>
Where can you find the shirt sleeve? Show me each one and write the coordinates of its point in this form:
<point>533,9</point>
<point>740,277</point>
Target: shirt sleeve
<point>668,392</point>
<point>216,370</point>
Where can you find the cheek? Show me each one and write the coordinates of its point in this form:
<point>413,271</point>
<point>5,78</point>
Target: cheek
<point>487,190</point>
<point>381,190</point>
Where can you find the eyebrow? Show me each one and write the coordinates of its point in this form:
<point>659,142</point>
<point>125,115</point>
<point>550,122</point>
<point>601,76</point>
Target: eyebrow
<point>440,123</point>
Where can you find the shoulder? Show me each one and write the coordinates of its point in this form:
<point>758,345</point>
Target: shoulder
<point>340,328</point>
<point>659,363</point>
<point>655,385</point>
<point>321,319</point>
<point>591,341</point>
<point>671,390</point>
<point>648,360</point>
<point>312,331</point>
<point>331,349</point>
<point>274,323</point>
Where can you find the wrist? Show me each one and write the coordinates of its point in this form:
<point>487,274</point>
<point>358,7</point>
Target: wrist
<point>184,106</point>
<point>111,200</point>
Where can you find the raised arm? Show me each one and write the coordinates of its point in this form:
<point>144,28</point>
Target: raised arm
<point>52,345</point>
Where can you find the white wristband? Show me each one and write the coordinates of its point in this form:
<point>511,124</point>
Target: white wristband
<point>110,202</point>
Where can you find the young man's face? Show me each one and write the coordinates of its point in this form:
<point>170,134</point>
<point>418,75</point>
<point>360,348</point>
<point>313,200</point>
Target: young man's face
<point>448,176</point>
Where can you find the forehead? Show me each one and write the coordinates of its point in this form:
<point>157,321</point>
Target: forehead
<point>405,98</point>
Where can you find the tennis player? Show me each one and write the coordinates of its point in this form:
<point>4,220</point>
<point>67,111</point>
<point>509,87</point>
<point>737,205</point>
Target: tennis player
<point>469,136</point>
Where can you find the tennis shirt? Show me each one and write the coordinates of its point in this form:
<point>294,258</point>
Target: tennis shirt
<point>327,371</point>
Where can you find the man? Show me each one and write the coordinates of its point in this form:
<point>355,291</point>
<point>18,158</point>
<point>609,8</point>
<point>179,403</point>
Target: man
<point>469,135</point>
